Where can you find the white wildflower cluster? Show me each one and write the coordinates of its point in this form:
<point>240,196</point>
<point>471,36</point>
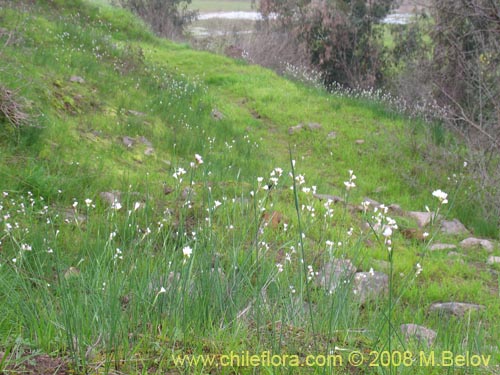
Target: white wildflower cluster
<point>350,183</point>
<point>384,224</point>
<point>441,195</point>
<point>179,172</point>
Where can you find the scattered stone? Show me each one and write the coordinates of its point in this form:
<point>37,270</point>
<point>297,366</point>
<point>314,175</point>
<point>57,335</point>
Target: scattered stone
<point>217,115</point>
<point>473,242</point>
<point>334,273</point>
<point>442,246</point>
<point>295,129</point>
<point>188,193</point>
<point>332,135</point>
<point>111,196</point>
<point>70,215</point>
<point>76,79</point>
<point>422,218</point>
<point>455,308</point>
<point>127,141</point>
<point>370,285</point>
<point>272,219</point>
<point>167,189</point>
<point>395,208</point>
<point>71,272</point>
<point>135,113</point>
<point>149,151</point>
<point>493,260</point>
<point>413,234</point>
<point>359,141</point>
<point>145,141</point>
<point>314,126</point>
<point>326,197</point>
<point>420,333</point>
<point>453,227</point>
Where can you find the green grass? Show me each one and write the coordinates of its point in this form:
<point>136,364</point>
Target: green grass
<point>110,289</point>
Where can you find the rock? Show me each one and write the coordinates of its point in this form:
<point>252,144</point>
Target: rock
<point>70,215</point>
<point>272,219</point>
<point>334,273</point>
<point>359,141</point>
<point>127,141</point>
<point>295,129</point>
<point>76,79</point>
<point>455,308</point>
<point>188,193</point>
<point>326,197</point>
<point>413,234</point>
<point>314,126</point>
<point>420,333</point>
<point>395,208</point>
<point>332,135</point>
<point>442,246</point>
<point>135,113</point>
<point>370,285</point>
<point>422,218</point>
<point>71,272</point>
<point>145,141</point>
<point>453,227</point>
<point>111,196</point>
<point>149,151</point>
<point>493,260</point>
<point>217,115</point>
<point>474,242</point>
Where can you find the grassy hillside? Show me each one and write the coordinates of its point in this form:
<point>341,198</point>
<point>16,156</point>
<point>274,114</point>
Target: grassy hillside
<point>151,208</point>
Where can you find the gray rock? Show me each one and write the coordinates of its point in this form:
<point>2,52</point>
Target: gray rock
<point>149,151</point>
<point>395,208</point>
<point>135,113</point>
<point>493,260</point>
<point>70,215</point>
<point>76,79</point>
<point>332,135</point>
<point>453,227</point>
<point>442,246</point>
<point>111,197</point>
<point>295,129</point>
<point>145,141</point>
<point>127,141</point>
<point>188,193</point>
<point>359,141</point>
<point>455,308</point>
<point>422,218</point>
<point>421,333</point>
<point>370,285</point>
<point>335,273</point>
<point>326,197</point>
<point>217,115</point>
<point>474,242</point>
<point>314,126</point>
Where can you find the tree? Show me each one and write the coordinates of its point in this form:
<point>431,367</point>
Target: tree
<point>166,17</point>
<point>341,36</point>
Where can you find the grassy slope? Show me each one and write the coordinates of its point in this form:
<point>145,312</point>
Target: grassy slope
<point>77,151</point>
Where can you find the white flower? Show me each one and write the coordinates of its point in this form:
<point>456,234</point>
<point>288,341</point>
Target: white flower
<point>419,269</point>
<point>25,247</point>
<point>88,202</point>
<point>349,185</point>
<point>162,290</point>
<point>187,251</point>
<point>116,205</point>
<point>217,204</point>
<point>199,159</point>
<point>441,195</point>
<point>137,205</point>
<point>387,232</point>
